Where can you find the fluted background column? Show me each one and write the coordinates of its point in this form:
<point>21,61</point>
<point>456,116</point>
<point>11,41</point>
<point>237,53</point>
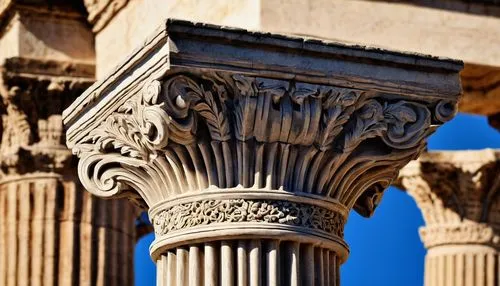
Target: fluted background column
<point>458,194</point>
<point>54,233</point>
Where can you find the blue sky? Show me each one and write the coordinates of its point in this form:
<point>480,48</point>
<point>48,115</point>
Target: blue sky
<point>385,249</point>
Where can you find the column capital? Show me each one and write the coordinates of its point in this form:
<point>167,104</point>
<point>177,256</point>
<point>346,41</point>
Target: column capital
<point>229,133</point>
<point>457,192</point>
<point>34,92</point>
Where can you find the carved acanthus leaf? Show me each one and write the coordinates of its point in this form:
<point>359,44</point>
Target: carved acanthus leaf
<point>190,132</point>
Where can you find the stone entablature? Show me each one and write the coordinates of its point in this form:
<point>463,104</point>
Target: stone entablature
<point>232,138</point>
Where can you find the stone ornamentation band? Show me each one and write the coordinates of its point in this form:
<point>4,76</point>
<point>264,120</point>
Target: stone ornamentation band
<point>226,211</point>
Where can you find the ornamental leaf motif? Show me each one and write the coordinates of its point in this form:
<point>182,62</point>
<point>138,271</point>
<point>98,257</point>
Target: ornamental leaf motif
<point>207,212</point>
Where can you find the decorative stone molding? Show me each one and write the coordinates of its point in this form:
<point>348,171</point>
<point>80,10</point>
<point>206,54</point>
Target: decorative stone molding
<point>229,135</point>
<point>102,11</point>
<point>458,194</point>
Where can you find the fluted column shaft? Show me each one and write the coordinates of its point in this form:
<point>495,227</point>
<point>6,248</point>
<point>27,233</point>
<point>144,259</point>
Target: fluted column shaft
<point>53,233</point>
<point>249,262</point>
<point>462,265</point>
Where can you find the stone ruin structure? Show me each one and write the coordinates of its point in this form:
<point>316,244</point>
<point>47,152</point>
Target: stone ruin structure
<point>247,149</point>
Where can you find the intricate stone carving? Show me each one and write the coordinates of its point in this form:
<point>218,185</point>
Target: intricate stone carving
<point>229,136</point>
<point>32,136</point>
<point>206,212</point>
<point>455,187</point>
<point>193,129</point>
<point>458,194</point>
<point>465,233</point>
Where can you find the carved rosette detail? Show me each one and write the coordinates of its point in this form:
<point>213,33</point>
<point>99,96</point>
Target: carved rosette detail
<point>209,212</point>
<point>186,133</point>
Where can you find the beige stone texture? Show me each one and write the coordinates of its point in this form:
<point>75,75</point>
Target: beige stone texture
<point>457,193</point>
<point>132,24</point>
<point>37,34</point>
<point>250,149</point>
<point>51,231</point>
<point>455,29</point>
<point>398,26</point>
<point>54,233</point>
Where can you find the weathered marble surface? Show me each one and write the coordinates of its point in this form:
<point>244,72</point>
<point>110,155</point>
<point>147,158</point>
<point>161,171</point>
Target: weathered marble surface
<point>250,149</point>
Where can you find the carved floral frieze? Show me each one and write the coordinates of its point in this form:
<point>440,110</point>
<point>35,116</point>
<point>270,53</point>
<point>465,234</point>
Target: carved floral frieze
<point>213,211</point>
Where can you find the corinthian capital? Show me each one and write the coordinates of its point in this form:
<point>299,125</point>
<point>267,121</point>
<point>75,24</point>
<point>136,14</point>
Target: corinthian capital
<point>458,195</point>
<point>227,131</point>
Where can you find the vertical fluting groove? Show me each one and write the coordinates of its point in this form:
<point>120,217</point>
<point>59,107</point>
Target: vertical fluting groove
<point>480,269</point>
<point>291,269</point>
<point>469,269</point>
<point>113,252</point>
<point>459,279</point>
<point>226,264</point>
<point>86,240</point>
<point>490,271</point>
<point>319,262</point>
<point>3,214</point>
<point>307,268</point>
<point>255,262</point>
<point>242,263</point>
<point>52,225</point>
<point>273,263</point>
<point>162,271</point>
<point>171,269</point>
<point>24,235</point>
<point>450,275</point>
<point>250,262</point>
<point>211,272</point>
<point>12,236</point>
<point>101,244</point>
<point>228,160</point>
<point>334,269</point>
<point>49,231</point>
<point>441,269</point>
<point>259,166</point>
<point>37,234</point>
<point>67,240</point>
<point>194,266</point>
<point>326,273</point>
<point>428,271</point>
<point>182,266</point>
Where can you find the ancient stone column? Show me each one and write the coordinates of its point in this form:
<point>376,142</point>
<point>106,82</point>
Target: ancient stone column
<point>458,194</point>
<point>52,232</point>
<point>250,149</point>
